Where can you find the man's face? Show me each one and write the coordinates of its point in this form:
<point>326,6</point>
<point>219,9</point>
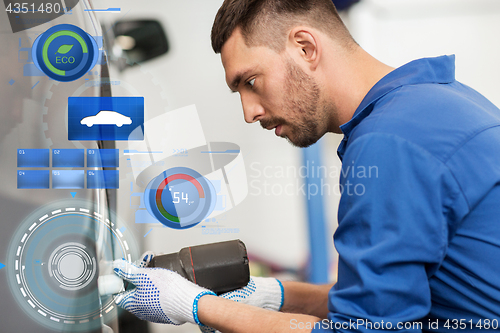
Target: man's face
<point>275,91</point>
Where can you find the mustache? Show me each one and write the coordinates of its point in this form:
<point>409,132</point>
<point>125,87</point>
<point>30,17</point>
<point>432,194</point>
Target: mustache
<point>271,122</point>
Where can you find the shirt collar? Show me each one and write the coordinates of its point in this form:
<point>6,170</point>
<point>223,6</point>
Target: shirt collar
<point>427,70</point>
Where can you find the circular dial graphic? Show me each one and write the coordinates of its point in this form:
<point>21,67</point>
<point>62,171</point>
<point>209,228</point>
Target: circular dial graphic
<point>65,52</point>
<point>180,198</point>
<point>56,257</point>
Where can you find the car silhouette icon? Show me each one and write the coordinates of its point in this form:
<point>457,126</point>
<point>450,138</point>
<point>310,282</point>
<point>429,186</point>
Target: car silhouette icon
<point>106,118</point>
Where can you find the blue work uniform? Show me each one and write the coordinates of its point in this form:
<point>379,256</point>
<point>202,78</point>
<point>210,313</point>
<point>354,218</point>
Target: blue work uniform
<point>419,216</point>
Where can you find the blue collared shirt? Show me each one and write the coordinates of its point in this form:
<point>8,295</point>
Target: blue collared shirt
<point>419,216</point>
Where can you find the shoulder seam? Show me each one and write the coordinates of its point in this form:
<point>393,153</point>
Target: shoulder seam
<point>469,138</point>
<point>418,147</point>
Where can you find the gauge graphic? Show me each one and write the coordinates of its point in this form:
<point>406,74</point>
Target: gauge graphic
<point>65,52</point>
<point>55,259</point>
<point>180,198</point>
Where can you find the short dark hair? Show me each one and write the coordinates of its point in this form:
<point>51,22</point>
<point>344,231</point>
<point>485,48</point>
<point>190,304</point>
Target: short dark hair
<point>266,22</point>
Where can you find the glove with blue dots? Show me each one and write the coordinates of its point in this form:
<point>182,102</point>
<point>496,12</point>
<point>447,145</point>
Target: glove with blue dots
<point>265,293</point>
<point>161,295</point>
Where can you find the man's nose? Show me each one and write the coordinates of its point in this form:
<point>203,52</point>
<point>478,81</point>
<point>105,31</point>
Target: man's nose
<point>252,109</point>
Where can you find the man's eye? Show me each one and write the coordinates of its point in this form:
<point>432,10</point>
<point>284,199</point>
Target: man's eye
<point>251,82</point>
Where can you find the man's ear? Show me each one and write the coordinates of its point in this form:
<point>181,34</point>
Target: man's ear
<point>305,44</point>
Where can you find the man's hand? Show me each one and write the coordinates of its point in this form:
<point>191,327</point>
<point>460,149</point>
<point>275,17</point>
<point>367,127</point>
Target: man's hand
<point>161,295</point>
<point>264,293</point>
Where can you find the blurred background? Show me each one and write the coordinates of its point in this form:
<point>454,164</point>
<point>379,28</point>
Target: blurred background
<point>161,50</point>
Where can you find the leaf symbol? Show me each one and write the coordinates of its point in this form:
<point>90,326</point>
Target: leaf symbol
<point>63,49</point>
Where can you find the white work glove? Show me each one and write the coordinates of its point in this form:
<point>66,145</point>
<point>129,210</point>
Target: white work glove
<point>161,295</point>
<point>265,293</point>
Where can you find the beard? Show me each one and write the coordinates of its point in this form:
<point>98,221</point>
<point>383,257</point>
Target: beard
<point>301,107</point>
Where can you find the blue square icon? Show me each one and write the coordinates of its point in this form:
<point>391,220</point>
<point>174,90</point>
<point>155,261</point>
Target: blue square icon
<point>33,158</point>
<point>68,179</point>
<point>105,118</point>
<point>68,158</point>
<point>33,179</point>
<point>103,158</point>
<point>103,179</point>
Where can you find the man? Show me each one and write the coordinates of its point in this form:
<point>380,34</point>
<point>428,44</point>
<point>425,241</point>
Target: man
<point>418,249</point>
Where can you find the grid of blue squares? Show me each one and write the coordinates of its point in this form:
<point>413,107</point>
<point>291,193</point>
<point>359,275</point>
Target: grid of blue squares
<point>67,178</point>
